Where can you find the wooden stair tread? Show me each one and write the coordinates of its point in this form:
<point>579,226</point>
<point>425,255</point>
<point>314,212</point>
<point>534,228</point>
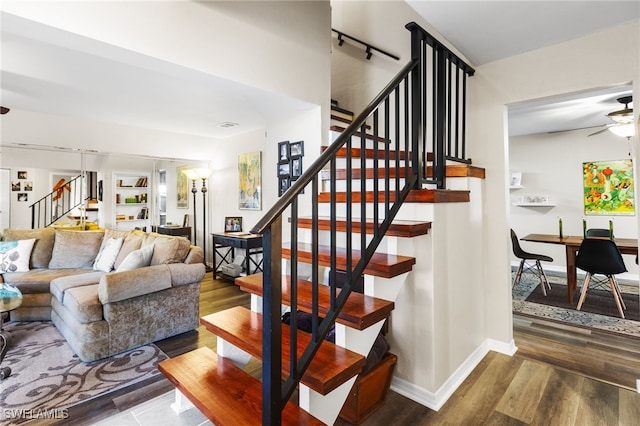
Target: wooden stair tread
<point>369,152</point>
<point>415,196</point>
<point>331,366</point>
<point>224,393</point>
<point>398,228</point>
<point>381,264</point>
<point>358,134</point>
<point>452,170</point>
<point>359,312</point>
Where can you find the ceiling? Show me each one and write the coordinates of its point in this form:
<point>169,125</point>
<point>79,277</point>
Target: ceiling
<point>47,70</point>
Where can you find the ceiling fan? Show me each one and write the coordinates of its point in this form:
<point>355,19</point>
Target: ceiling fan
<point>622,119</point>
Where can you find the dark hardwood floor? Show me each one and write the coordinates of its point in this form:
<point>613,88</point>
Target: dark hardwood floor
<point>560,375</point>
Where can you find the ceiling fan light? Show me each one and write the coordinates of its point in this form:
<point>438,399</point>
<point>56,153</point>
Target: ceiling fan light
<point>624,130</point>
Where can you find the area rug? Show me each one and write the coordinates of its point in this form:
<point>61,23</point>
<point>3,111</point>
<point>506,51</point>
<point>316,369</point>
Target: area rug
<point>47,376</point>
<point>569,315</point>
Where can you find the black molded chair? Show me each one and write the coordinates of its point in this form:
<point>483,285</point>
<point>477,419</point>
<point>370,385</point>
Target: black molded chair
<point>524,266</point>
<point>601,256</point>
<point>598,232</point>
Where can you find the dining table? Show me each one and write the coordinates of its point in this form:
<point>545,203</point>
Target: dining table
<point>572,244</point>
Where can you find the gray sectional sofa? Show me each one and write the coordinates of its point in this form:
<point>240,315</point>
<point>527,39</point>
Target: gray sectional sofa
<point>144,287</point>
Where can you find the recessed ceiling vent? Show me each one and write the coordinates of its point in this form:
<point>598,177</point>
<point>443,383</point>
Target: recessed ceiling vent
<point>226,124</point>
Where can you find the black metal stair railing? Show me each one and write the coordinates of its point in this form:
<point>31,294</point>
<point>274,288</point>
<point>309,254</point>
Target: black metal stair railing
<point>396,123</point>
<point>57,203</point>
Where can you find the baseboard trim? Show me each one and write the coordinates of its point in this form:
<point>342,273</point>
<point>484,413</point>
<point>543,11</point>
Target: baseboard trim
<point>435,400</point>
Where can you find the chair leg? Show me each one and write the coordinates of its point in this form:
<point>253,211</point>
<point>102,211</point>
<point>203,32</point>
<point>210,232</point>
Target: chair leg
<point>543,278</point>
<point>619,292</point>
<point>516,279</point>
<point>583,293</point>
<point>615,295</point>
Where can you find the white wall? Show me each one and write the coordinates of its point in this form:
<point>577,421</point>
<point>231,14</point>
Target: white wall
<point>551,164</point>
<point>607,58</point>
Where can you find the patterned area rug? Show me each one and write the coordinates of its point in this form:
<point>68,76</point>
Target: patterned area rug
<point>48,377</point>
<point>570,316</point>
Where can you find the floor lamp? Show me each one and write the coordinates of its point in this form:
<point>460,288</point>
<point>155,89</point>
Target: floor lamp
<point>193,176</point>
<point>204,174</point>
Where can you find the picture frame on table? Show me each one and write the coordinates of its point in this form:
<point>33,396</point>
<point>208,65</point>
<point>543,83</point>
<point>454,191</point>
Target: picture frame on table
<point>233,224</point>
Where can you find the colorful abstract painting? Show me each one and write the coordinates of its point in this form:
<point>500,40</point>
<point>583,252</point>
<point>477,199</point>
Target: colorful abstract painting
<point>608,187</point>
<point>250,172</point>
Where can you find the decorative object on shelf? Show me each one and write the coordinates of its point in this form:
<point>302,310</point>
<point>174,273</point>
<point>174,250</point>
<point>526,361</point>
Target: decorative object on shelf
<point>516,180</point>
<point>250,181</point>
<point>608,187</point>
<point>233,224</point>
<point>182,188</point>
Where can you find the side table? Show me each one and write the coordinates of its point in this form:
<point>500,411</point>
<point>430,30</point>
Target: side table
<point>176,231</point>
<point>250,243</point>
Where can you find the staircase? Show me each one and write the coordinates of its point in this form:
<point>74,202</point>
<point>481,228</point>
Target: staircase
<point>65,197</point>
<point>337,225</point>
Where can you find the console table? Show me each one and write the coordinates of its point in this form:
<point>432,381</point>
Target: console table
<point>225,243</point>
<point>176,231</point>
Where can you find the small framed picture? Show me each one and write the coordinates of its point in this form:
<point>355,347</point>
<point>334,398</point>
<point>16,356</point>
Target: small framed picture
<point>28,186</point>
<point>15,185</point>
<point>284,169</point>
<point>233,224</point>
<point>284,183</point>
<point>296,167</point>
<point>22,174</point>
<point>283,151</point>
<point>23,196</point>
<point>296,148</point>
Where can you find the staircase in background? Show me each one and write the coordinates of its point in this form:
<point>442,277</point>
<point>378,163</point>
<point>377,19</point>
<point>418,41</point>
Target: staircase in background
<point>400,150</point>
<point>65,197</point>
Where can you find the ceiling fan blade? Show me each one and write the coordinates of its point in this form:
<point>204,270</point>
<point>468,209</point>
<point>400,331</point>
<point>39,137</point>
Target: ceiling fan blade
<point>600,131</point>
<point>577,128</point>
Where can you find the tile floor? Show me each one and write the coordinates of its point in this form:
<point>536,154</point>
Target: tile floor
<point>157,412</point>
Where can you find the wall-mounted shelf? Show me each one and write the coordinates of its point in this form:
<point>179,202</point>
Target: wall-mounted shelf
<point>535,204</point>
<point>134,188</point>
<point>516,187</point>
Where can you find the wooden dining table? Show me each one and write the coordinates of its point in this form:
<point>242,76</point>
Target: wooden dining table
<point>572,244</point>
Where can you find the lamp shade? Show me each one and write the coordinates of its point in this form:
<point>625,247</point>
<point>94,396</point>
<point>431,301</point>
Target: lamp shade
<point>203,173</point>
<point>191,174</point>
<point>625,130</point>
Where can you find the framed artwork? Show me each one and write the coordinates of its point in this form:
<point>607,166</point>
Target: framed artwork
<point>284,169</point>
<point>296,167</point>
<point>23,196</point>
<point>296,148</point>
<point>22,174</point>
<point>250,176</point>
<point>182,188</point>
<point>283,152</point>
<point>283,184</point>
<point>233,224</point>
<point>15,185</point>
<point>28,186</point>
<point>608,187</point>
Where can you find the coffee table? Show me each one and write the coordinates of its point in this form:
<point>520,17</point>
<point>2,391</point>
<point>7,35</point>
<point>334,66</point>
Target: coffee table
<point>10,299</point>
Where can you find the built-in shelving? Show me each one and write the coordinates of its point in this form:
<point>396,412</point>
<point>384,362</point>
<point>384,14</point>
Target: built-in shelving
<point>131,200</point>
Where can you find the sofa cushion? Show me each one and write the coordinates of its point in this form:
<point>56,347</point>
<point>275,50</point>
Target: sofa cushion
<point>42,248</point>
<point>39,280</point>
<point>75,249</point>
<point>107,255</point>
<point>60,285</point>
<point>131,243</point>
<point>137,259</point>
<point>167,249</point>
<point>83,303</point>
<point>15,256</point>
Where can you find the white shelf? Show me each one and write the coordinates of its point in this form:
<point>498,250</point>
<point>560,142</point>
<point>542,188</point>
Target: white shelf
<point>516,187</point>
<point>535,204</point>
<point>130,185</point>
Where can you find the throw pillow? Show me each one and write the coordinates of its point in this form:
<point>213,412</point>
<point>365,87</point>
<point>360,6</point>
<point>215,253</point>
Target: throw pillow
<point>41,253</point>
<point>15,255</point>
<point>132,242</point>
<point>107,255</point>
<point>75,249</point>
<point>137,259</point>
